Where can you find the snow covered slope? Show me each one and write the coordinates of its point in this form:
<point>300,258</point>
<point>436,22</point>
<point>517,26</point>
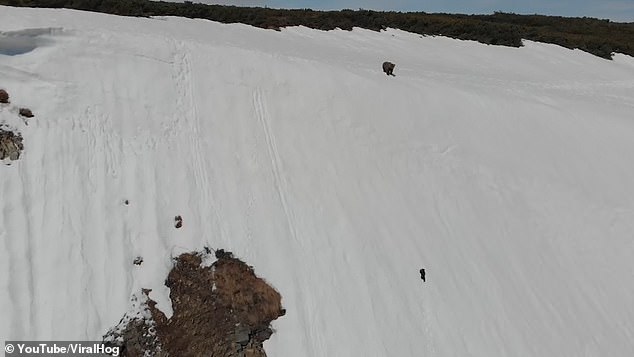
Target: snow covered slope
<point>507,173</point>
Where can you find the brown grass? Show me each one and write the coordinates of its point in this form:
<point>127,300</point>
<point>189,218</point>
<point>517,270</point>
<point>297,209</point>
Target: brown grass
<point>246,294</point>
<point>223,310</point>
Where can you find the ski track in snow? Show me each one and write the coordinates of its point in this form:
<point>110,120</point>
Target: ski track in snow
<point>307,309</point>
<point>311,335</point>
<point>274,157</point>
<point>188,108</point>
<point>18,288</point>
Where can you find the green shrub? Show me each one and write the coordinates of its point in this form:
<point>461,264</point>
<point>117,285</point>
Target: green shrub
<point>599,37</point>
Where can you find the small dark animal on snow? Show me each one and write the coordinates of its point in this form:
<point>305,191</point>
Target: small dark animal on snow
<point>388,68</point>
<point>223,254</point>
<point>178,220</point>
<point>422,274</point>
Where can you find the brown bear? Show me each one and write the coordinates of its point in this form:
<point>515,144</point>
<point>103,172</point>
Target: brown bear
<point>388,68</point>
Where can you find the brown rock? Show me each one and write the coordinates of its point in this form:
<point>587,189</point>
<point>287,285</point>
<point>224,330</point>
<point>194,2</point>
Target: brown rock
<point>26,112</point>
<point>4,96</point>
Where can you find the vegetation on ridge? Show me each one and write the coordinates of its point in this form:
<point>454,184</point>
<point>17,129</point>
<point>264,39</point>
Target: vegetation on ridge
<point>599,37</point>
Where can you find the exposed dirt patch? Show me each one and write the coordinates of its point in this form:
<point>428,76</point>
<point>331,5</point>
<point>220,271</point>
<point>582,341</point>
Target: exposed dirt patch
<point>223,310</point>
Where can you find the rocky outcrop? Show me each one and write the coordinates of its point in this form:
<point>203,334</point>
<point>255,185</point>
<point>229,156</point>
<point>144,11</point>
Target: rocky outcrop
<point>222,310</point>
<point>10,144</point>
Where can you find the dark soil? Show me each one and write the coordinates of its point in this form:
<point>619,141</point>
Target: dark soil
<point>224,310</point>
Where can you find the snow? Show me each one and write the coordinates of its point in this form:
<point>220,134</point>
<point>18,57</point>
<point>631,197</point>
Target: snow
<point>505,172</point>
